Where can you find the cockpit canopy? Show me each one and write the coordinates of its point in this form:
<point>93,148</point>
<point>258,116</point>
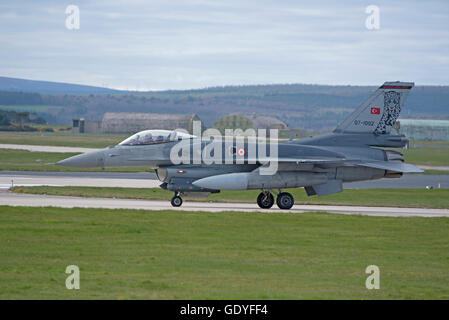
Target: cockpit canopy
<point>147,137</point>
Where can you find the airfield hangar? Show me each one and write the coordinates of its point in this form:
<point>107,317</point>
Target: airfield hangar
<point>131,122</point>
<point>424,130</point>
<point>82,125</point>
<point>249,121</point>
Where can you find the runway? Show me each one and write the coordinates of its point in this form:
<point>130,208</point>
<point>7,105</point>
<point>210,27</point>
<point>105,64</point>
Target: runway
<point>16,199</point>
<point>77,179</point>
<point>149,180</point>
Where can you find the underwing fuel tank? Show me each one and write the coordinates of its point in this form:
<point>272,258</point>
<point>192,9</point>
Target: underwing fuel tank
<point>253,180</point>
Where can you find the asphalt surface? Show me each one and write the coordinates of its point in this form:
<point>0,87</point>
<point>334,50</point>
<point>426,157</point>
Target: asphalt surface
<point>15,199</point>
<point>149,180</point>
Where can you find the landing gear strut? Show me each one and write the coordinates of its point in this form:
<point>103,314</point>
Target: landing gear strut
<point>176,201</point>
<point>285,200</point>
<point>265,200</point>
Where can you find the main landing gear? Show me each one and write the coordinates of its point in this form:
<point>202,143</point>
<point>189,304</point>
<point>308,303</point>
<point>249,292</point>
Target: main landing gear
<point>265,200</point>
<point>176,201</point>
<point>284,200</point>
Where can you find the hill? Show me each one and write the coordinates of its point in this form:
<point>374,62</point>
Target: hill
<point>314,107</point>
<point>48,87</point>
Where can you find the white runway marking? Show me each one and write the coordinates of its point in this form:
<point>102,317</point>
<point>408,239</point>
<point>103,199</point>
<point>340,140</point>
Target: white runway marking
<point>33,148</point>
<point>55,180</point>
<point>13,199</point>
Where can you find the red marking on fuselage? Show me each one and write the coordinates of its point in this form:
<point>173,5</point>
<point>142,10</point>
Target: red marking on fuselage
<point>241,152</point>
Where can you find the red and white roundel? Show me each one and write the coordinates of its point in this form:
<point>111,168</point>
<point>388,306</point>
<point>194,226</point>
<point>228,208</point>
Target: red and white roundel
<point>241,152</point>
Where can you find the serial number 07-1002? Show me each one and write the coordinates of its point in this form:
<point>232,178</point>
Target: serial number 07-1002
<point>364,123</point>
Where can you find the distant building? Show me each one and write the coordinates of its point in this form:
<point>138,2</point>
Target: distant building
<point>131,122</point>
<point>427,130</point>
<point>243,121</point>
<point>85,126</point>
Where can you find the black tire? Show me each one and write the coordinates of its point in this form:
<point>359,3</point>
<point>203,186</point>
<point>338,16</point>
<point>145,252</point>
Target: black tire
<point>285,201</point>
<point>176,201</point>
<point>265,201</point>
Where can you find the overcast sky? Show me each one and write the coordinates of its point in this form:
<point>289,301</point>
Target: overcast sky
<point>179,44</point>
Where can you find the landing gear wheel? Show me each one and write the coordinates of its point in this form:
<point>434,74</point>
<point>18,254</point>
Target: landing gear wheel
<point>265,200</point>
<point>285,200</point>
<point>176,201</point>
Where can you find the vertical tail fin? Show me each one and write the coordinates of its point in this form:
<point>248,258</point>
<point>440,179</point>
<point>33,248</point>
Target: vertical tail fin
<point>379,112</point>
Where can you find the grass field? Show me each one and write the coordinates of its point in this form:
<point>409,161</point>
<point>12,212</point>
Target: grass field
<point>131,254</point>
<point>420,198</point>
<point>39,161</point>
<point>431,156</point>
<point>434,172</point>
<point>61,139</point>
<point>30,108</point>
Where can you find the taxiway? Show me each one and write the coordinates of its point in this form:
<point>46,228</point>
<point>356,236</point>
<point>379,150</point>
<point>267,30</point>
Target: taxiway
<point>16,199</point>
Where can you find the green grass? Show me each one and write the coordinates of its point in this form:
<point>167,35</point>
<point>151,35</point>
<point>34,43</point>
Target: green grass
<point>420,198</point>
<point>61,139</point>
<point>21,160</point>
<point>435,172</point>
<point>30,108</point>
<point>421,142</point>
<point>132,254</point>
<point>56,128</point>
<point>431,156</point>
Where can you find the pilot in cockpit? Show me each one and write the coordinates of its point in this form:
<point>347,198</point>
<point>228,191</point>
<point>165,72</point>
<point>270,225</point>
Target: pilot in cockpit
<point>147,137</point>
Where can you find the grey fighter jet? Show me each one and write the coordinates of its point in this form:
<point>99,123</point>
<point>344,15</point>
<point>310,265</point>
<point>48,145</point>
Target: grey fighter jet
<point>352,152</point>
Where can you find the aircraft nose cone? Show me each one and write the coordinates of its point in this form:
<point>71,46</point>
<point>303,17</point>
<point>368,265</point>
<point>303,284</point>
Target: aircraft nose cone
<point>91,159</point>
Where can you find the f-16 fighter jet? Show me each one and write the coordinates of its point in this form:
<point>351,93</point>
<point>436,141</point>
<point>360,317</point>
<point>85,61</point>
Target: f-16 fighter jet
<point>191,165</point>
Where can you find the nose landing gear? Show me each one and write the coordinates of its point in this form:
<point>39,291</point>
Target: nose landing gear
<point>176,201</point>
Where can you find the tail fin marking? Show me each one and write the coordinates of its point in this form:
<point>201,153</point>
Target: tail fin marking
<point>379,112</point>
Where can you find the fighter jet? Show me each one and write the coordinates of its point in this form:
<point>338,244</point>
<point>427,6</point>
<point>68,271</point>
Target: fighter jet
<point>320,164</point>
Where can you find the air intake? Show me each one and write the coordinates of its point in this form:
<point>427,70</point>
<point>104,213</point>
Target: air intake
<point>391,155</point>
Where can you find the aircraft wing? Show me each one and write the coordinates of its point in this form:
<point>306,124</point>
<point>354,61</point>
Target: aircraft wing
<point>384,165</point>
<point>392,166</point>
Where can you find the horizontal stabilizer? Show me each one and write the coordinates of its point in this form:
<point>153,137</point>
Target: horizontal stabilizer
<point>392,166</point>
